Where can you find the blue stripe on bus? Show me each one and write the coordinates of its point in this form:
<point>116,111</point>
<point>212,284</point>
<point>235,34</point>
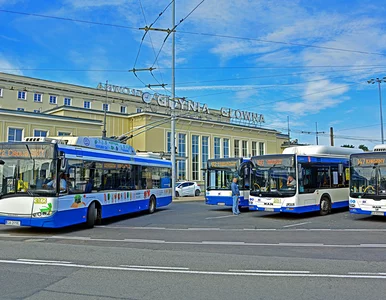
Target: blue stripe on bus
<point>361,212</point>
<point>225,200</point>
<point>313,159</point>
<point>96,154</point>
<point>299,209</point>
<point>79,215</point>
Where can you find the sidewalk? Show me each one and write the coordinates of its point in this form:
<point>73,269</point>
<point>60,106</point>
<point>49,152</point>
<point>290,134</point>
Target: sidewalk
<point>189,199</point>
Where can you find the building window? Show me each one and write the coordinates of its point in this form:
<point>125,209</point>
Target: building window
<point>22,95</point>
<point>169,142</point>
<point>87,104</point>
<point>20,109</point>
<point>244,148</point>
<point>62,133</point>
<point>40,133</point>
<point>37,111</point>
<point>105,107</point>
<point>195,157</point>
<point>226,147</point>
<point>254,148</point>
<point>53,99</point>
<point>236,149</point>
<point>37,97</point>
<point>67,101</point>
<point>181,171</point>
<point>204,151</point>
<point>261,148</point>
<point>123,109</point>
<point>217,146</point>
<point>1,92</point>
<point>139,110</point>
<point>15,134</point>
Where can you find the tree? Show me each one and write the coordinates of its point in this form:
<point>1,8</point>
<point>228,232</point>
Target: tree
<point>348,146</point>
<point>363,147</point>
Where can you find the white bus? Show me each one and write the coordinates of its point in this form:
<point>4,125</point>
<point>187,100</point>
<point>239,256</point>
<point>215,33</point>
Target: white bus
<point>321,180</point>
<point>102,178</point>
<point>368,183</point>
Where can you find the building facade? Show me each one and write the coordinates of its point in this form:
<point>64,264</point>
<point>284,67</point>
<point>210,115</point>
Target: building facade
<point>35,107</point>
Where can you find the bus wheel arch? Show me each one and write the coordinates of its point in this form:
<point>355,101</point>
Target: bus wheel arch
<point>325,205</point>
<point>94,213</point>
<point>152,204</point>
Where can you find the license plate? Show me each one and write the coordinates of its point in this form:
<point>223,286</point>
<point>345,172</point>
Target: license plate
<point>377,213</point>
<point>221,204</point>
<point>12,223</point>
<point>269,209</point>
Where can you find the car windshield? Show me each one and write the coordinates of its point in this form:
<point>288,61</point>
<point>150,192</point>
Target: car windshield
<point>26,168</point>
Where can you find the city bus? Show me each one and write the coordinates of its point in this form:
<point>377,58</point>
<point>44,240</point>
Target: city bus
<point>219,175</point>
<point>368,182</point>
<point>320,174</point>
<point>102,177</point>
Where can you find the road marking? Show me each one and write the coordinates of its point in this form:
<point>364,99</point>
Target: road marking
<point>298,224</point>
<point>271,271</point>
<point>193,272</point>
<point>220,217</point>
<point>155,267</point>
<point>242,229</point>
<point>44,261</point>
<point>365,273</point>
<point>238,243</point>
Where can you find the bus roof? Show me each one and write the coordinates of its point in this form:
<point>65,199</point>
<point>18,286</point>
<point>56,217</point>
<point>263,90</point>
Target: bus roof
<point>86,141</point>
<point>320,150</point>
<point>379,148</point>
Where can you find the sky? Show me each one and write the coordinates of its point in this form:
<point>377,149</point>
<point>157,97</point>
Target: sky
<point>306,62</point>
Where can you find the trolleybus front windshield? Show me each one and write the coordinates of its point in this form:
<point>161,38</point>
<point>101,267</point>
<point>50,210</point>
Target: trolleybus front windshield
<point>26,169</point>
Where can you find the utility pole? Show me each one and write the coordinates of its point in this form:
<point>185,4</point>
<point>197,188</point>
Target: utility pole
<point>332,136</point>
<point>104,117</point>
<point>372,81</point>
<point>316,132</point>
<point>173,120</point>
<point>289,139</point>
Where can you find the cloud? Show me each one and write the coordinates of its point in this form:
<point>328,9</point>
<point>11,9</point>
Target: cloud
<point>7,66</point>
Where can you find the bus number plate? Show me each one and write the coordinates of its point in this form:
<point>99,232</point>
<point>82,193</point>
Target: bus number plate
<point>269,209</point>
<point>12,223</point>
<point>377,213</point>
<point>221,203</point>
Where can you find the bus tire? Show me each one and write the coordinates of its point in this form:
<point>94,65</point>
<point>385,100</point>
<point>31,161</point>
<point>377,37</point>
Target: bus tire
<point>91,216</point>
<point>152,204</point>
<point>325,206</point>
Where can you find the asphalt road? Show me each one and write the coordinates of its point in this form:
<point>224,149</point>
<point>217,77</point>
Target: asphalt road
<point>193,251</point>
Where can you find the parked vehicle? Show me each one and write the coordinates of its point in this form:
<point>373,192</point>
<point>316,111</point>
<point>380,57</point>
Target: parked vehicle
<point>187,188</point>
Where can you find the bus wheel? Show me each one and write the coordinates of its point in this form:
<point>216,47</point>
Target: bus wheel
<point>152,205</point>
<point>91,215</point>
<point>325,206</point>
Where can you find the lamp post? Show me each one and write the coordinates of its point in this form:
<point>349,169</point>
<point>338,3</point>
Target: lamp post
<point>372,81</point>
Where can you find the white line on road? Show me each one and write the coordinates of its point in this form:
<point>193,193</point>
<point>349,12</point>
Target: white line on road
<point>156,267</point>
<point>229,243</point>
<point>271,271</point>
<point>192,272</point>
<point>220,217</point>
<point>45,261</point>
<point>298,224</point>
<point>366,273</point>
<point>243,229</point>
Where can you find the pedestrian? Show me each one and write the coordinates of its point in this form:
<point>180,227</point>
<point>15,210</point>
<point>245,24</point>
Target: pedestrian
<point>235,196</point>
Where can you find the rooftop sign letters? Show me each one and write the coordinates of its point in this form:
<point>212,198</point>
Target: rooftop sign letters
<point>183,104</point>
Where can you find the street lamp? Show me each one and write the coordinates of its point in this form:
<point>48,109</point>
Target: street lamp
<point>372,81</point>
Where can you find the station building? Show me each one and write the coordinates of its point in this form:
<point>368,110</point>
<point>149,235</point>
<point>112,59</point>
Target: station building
<point>36,107</point>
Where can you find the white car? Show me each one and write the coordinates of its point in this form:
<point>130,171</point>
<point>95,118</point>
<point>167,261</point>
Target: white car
<point>187,188</point>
